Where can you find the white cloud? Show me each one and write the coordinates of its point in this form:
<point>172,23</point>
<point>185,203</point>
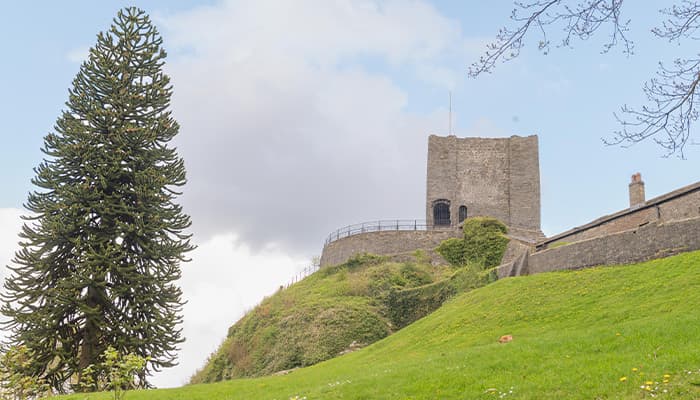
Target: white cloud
<point>319,31</point>
<point>224,279</point>
<point>291,124</point>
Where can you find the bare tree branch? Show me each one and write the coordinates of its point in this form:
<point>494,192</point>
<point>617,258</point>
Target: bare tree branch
<point>670,112</point>
<point>581,22</point>
<point>672,94</point>
<point>682,22</point>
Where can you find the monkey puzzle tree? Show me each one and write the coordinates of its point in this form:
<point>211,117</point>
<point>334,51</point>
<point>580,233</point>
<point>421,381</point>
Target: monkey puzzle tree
<point>101,250</point>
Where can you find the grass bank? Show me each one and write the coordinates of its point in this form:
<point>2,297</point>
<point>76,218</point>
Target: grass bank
<point>626,332</point>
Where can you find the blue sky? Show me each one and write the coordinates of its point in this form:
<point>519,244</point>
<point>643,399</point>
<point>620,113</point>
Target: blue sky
<point>298,118</point>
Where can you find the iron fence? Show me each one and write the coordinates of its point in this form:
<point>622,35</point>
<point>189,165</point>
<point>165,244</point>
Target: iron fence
<point>377,226</point>
<point>302,274</point>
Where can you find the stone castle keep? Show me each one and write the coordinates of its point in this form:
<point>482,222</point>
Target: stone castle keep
<point>473,177</point>
<point>500,178</point>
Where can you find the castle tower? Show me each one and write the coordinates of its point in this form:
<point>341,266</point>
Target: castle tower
<point>499,178</point>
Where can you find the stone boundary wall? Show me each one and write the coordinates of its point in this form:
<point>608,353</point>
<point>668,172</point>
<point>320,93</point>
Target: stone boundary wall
<point>514,262</point>
<point>680,204</point>
<point>384,243</point>
<point>653,240</point>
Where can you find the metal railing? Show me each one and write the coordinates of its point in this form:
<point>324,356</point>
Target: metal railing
<point>377,226</point>
<point>302,274</point>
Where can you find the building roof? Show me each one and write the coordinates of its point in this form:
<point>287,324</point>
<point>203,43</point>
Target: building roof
<point>607,218</point>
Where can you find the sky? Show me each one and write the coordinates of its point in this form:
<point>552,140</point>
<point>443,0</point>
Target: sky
<point>299,117</point>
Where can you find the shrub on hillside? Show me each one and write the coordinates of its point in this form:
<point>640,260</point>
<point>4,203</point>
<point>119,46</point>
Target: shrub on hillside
<point>454,251</point>
<point>483,243</point>
<point>15,380</point>
<point>316,318</point>
<point>364,259</point>
<point>485,240</point>
<point>408,305</point>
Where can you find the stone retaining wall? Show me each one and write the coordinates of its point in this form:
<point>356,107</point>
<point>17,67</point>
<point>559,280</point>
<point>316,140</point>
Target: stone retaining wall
<point>680,204</point>
<point>653,240</point>
<point>384,243</point>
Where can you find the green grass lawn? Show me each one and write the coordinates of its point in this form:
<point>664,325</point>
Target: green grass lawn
<point>599,333</point>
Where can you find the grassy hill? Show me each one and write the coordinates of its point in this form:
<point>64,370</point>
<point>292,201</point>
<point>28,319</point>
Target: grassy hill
<point>626,332</point>
<point>321,316</point>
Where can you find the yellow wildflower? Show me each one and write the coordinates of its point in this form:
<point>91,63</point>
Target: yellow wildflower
<point>624,378</point>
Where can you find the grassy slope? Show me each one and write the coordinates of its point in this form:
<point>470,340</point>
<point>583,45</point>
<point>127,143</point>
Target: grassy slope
<point>316,319</point>
<point>575,335</point>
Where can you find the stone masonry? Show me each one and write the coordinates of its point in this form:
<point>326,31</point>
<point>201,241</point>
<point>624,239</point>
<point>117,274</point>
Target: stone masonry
<point>682,203</point>
<point>654,240</point>
<point>384,243</point>
<point>660,227</point>
<point>468,177</point>
<point>499,178</point>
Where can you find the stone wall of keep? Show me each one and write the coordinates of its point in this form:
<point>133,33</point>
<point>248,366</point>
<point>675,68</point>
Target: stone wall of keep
<point>482,178</point>
<point>441,178</point>
<point>498,178</point>
<point>524,183</point>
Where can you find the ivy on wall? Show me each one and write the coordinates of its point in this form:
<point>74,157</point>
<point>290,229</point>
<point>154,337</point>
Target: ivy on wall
<point>483,243</point>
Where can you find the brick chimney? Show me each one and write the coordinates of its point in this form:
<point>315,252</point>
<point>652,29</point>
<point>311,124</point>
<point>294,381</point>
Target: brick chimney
<point>636,191</point>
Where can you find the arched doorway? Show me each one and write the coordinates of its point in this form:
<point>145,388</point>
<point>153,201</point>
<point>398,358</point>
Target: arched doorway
<point>441,212</point>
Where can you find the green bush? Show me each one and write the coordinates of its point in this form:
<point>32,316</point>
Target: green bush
<point>485,240</point>
<point>483,243</point>
<point>421,257</point>
<point>408,305</point>
<point>414,276</point>
<point>364,259</point>
<point>358,260</point>
<point>116,373</point>
<point>454,251</point>
<point>318,317</point>
<point>16,382</point>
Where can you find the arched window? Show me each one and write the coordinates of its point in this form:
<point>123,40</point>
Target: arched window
<point>462,213</point>
<point>441,212</point>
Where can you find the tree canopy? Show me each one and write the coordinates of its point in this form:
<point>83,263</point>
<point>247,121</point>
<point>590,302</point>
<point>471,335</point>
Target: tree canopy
<point>102,246</point>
